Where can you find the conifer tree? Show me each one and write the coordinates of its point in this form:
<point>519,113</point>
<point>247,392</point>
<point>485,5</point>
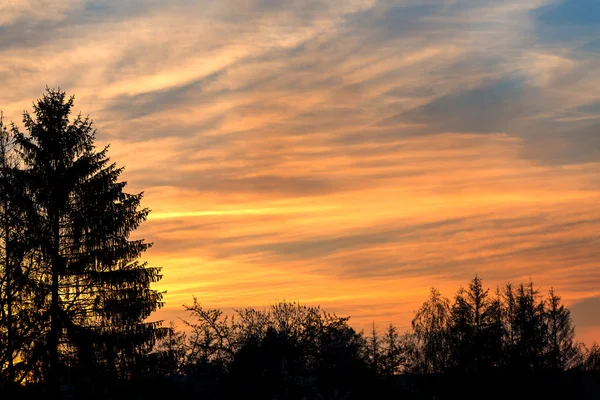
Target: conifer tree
<point>509,317</point>
<point>98,294</point>
<point>496,333</point>
<point>374,345</point>
<point>8,280</point>
<point>473,328</point>
<point>530,328</point>
<point>592,358</point>
<point>18,322</point>
<point>393,357</point>
<point>483,324</point>
<point>461,332</point>
<point>561,352</point>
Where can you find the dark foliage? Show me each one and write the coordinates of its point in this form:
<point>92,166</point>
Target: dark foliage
<point>455,350</point>
<point>289,351</point>
<point>75,296</point>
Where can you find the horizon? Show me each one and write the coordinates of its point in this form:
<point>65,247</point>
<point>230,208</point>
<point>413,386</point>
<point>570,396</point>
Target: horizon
<point>347,154</point>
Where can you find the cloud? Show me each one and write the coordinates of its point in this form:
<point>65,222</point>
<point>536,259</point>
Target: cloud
<point>14,11</point>
<point>350,153</point>
<point>585,312</point>
<point>490,109</point>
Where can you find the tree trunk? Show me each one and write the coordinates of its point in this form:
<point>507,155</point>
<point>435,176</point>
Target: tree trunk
<point>53,383</point>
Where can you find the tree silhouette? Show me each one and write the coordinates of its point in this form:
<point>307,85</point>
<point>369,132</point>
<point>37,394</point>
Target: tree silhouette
<point>20,314</point>
<point>97,293</point>
<point>393,358</point>
<point>561,352</point>
<point>479,303</point>
<point>288,351</point>
<point>495,332</point>
<point>8,274</point>
<point>513,330</point>
<point>475,328</point>
<point>461,333</point>
<point>529,328</point>
<point>374,349</point>
<point>430,326</point>
<point>592,358</point>
<point>509,321</point>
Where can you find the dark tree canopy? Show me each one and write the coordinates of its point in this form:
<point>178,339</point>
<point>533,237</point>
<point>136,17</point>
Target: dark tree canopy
<point>92,292</point>
<point>475,328</point>
<point>455,350</point>
<point>561,352</point>
<point>429,325</point>
<point>289,351</point>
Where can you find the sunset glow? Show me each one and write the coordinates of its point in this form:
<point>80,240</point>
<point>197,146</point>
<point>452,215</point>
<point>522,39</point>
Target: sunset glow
<point>343,153</point>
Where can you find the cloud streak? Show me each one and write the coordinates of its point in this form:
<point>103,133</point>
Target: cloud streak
<point>347,153</point>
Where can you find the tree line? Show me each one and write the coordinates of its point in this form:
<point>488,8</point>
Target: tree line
<point>75,302</point>
<point>516,328</point>
<point>295,351</point>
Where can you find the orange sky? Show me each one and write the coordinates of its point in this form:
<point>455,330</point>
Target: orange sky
<point>347,153</point>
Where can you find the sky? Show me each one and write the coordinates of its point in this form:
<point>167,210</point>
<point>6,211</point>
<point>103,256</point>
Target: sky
<point>346,153</point>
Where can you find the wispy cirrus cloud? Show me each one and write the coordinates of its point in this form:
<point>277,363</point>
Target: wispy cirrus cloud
<point>347,153</point>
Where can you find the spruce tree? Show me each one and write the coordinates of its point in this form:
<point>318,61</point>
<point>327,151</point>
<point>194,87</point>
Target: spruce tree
<point>19,320</point>
<point>561,352</point>
<point>8,281</point>
<point>592,358</point>
<point>471,328</point>
<point>509,310</point>
<point>98,294</point>
<point>393,357</point>
<point>461,332</point>
<point>483,321</point>
<point>374,345</point>
<point>530,328</point>
<point>496,333</point>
